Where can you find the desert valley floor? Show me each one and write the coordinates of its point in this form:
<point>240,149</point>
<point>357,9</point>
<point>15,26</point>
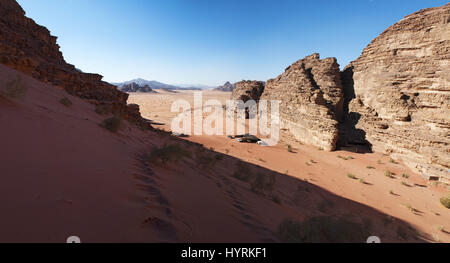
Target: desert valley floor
<point>412,199</point>
<point>102,186</point>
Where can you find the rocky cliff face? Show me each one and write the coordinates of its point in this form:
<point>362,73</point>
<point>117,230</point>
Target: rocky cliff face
<point>399,92</point>
<point>311,100</point>
<point>248,90</point>
<point>30,48</point>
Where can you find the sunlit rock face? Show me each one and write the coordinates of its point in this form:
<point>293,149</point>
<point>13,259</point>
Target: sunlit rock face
<point>311,100</point>
<point>400,92</point>
<point>248,90</point>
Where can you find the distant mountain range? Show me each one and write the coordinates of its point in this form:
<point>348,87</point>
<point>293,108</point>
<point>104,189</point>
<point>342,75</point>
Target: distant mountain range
<point>159,85</point>
<point>156,85</point>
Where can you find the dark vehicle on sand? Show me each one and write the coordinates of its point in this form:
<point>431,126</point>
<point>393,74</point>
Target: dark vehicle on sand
<point>247,138</point>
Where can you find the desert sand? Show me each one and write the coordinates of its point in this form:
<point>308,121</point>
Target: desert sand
<point>65,175</point>
<point>413,200</point>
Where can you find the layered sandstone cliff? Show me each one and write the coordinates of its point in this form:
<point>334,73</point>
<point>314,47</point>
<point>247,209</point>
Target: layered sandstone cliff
<point>30,48</point>
<point>399,92</point>
<point>311,100</point>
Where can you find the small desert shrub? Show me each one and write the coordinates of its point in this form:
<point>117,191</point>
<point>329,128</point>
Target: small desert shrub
<point>370,167</point>
<point>410,208</point>
<point>313,162</point>
<point>263,183</point>
<point>168,153</point>
<point>405,176</point>
<point>289,148</point>
<point>207,161</point>
<point>388,174</point>
<point>200,152</point>
<point>391,192</point>
<point>322,229</point>
<point>325,205</point>
<point>445,201</point>
<point>362,181</point>
<point>405,184</point>
<point>401,232</point>
<point>392,161</point>
<point>242,172</point>
<point>103,109</point>
<point>66,102</point>
<point>436,238</point>
<point>14,89</point>
<point>112,124</point>
<point>351,176</point>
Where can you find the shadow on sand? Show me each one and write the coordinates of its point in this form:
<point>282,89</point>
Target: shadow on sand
<point>274,207</point>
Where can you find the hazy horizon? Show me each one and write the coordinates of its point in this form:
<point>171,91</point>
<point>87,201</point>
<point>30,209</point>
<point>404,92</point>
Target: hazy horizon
<point>211,42</point>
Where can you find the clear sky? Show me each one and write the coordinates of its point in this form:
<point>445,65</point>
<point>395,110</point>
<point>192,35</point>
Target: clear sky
<point>212,41</point>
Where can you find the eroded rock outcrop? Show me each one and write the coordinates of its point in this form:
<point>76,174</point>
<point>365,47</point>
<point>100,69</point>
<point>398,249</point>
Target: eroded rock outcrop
<point>245,91</point>
<point>134,87</point>
<point>248,90</point>
<point>227,87</point>
<point>29,48</point>
<point>400,92</point>
<point>311,100</point>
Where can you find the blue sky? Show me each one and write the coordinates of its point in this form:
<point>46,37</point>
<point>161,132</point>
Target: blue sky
<point>212,41</point>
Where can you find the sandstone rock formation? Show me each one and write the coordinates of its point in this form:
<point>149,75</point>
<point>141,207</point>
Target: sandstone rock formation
<point>30,48</point>
<point>311,100</point>
<point>134,87</point>
<point>227,87</point>
<point>248,90</point>
<point>399,92</point>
